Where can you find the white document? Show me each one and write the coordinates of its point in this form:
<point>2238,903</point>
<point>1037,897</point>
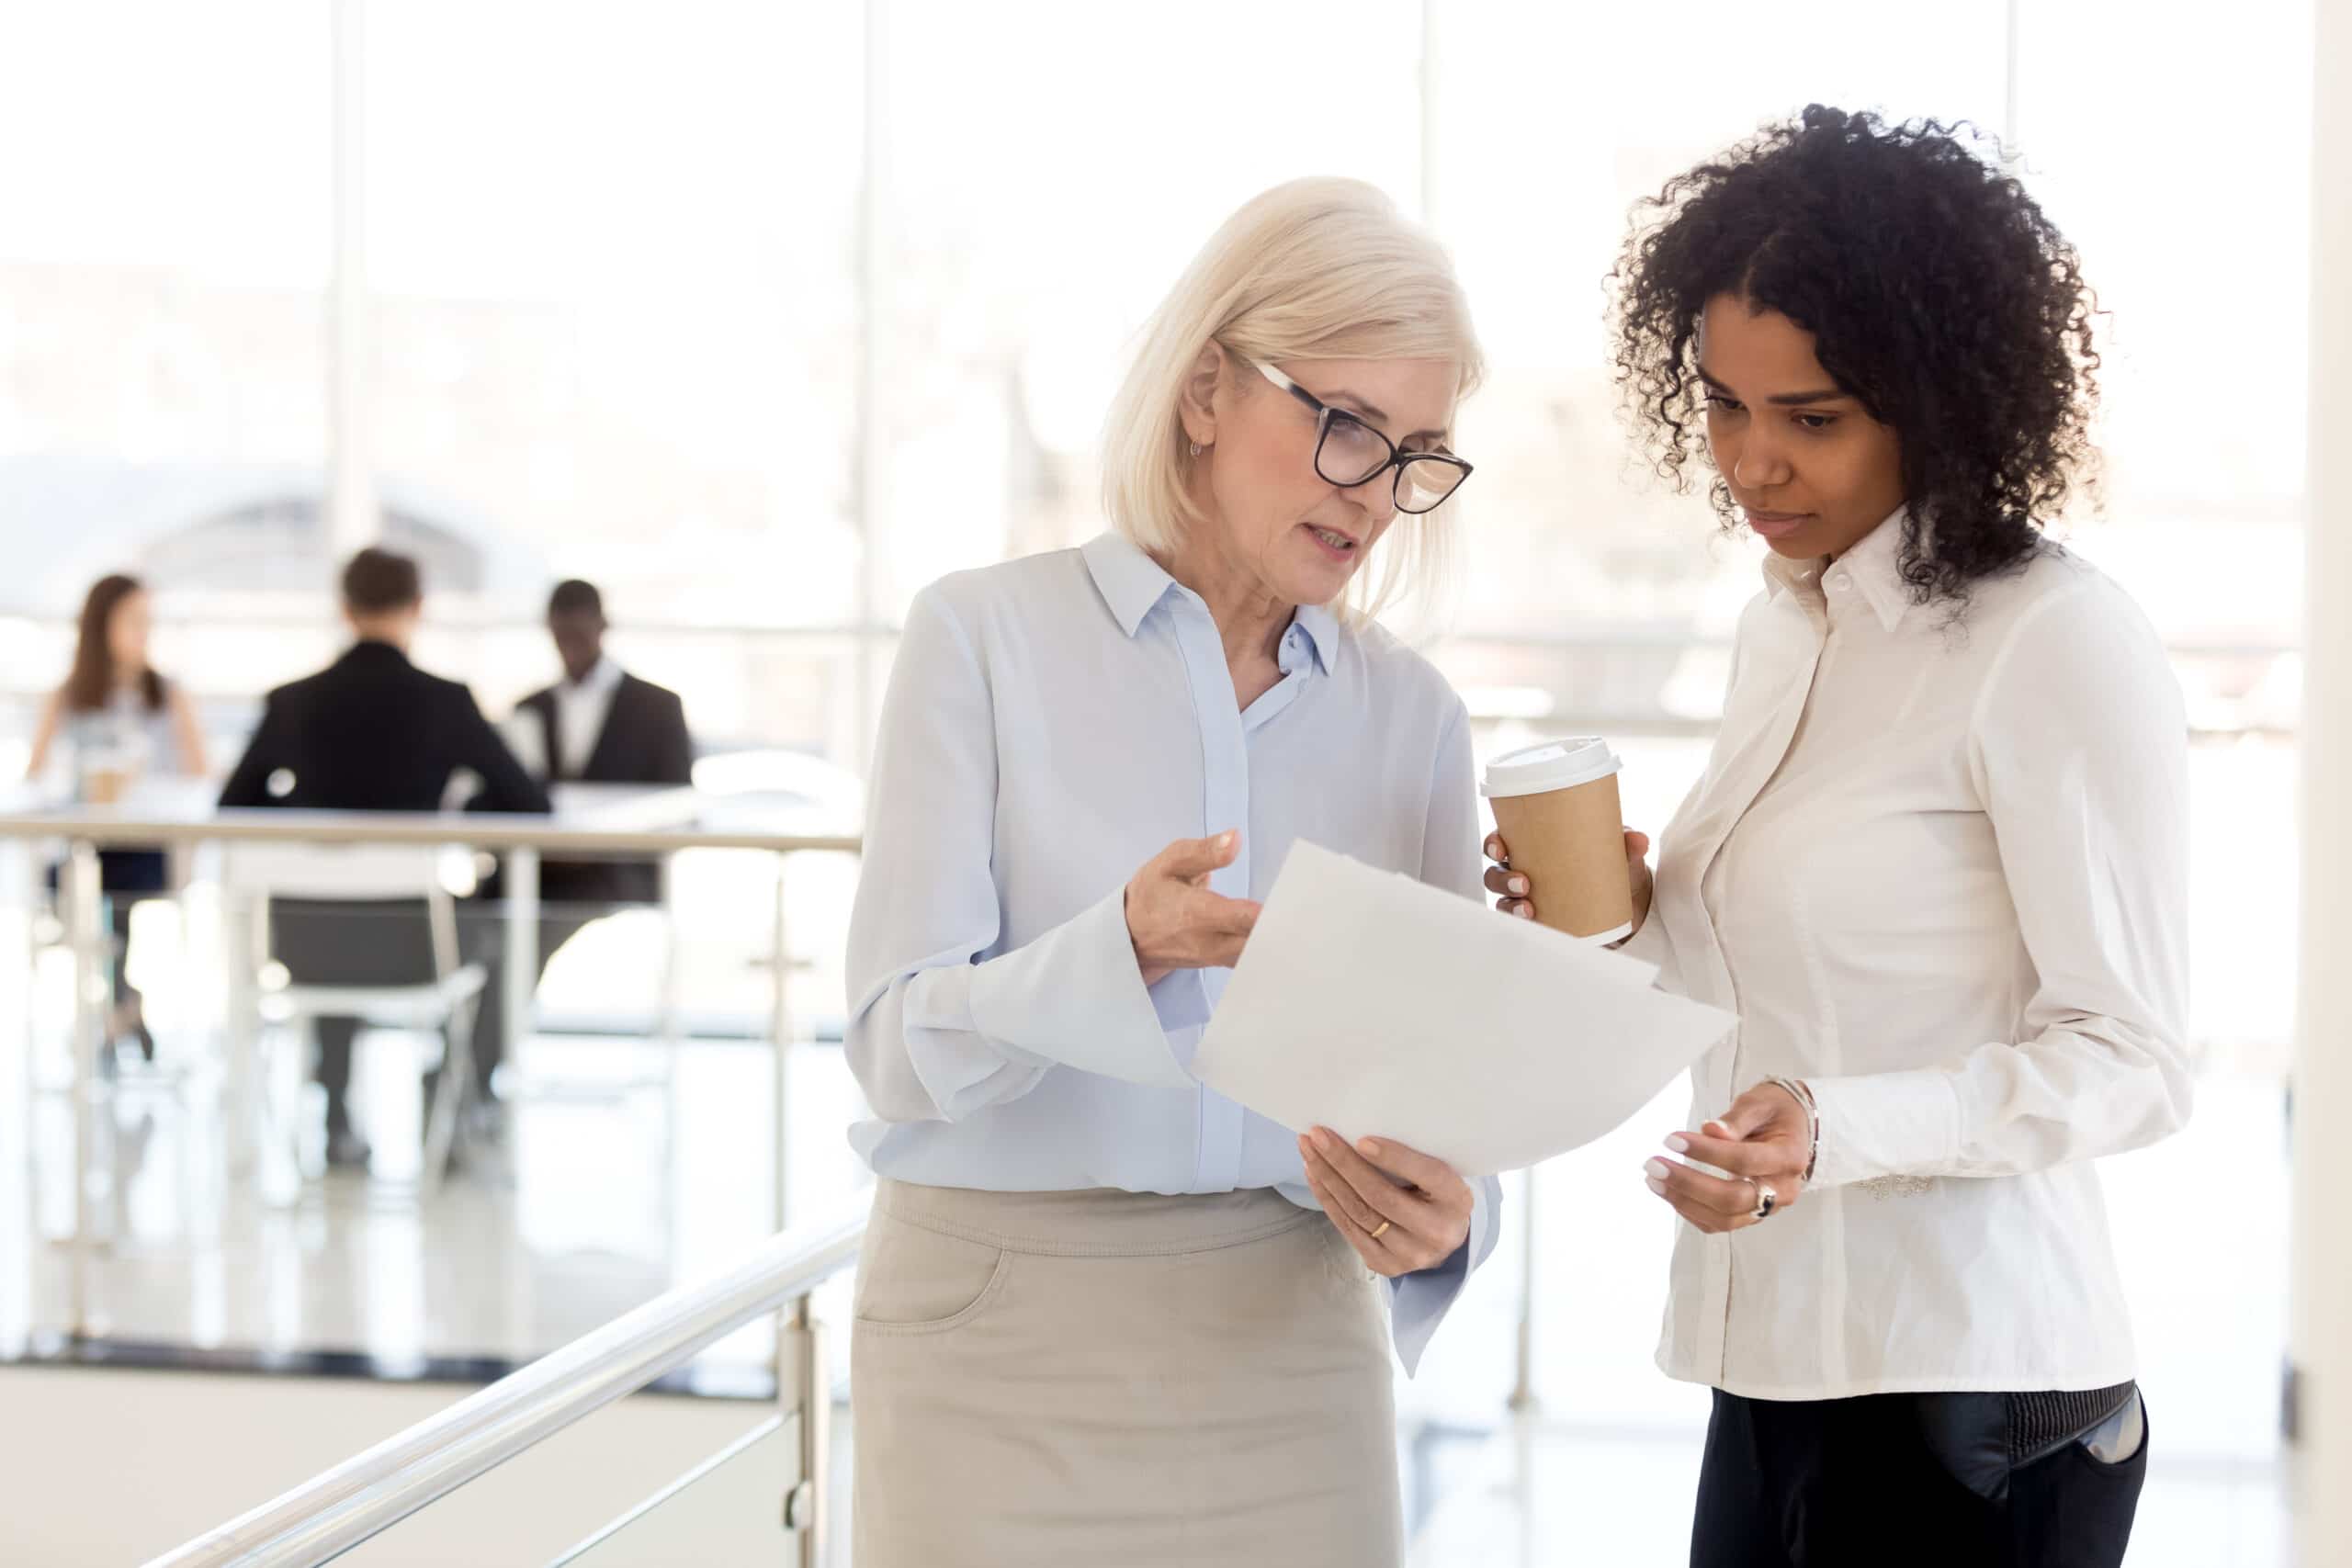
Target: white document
<point>1381,1007</point>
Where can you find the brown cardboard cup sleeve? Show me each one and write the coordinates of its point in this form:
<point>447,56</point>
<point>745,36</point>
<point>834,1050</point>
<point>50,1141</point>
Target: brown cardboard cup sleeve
<point>1556,806</point>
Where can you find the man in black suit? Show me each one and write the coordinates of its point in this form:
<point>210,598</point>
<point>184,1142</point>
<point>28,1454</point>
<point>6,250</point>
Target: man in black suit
<point>598,725</point>
<point>371,732</point>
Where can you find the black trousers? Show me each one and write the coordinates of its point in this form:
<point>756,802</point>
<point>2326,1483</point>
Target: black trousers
<point>1922,1480</point>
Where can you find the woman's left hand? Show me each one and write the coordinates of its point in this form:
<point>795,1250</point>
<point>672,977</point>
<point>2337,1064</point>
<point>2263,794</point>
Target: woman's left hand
<point>1764,1140</point>
<point>1394,1229</point>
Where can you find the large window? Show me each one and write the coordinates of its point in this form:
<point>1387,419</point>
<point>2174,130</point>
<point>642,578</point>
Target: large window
<point>2194,223</point>
<point>1045,183</point>
<point>765,317</point>
<point>163,250</point>
<point>612,261</point>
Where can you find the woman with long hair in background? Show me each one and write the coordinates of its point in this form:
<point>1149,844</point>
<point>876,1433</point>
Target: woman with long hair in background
<point>117,719</point>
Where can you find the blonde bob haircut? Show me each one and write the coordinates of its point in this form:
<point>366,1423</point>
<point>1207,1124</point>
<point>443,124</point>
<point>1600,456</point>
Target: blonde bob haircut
<point>1319,268</point>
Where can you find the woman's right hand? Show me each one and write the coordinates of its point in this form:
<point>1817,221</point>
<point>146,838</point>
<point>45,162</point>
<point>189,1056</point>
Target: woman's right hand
<point>1516,893</point>
<point>1175,921</point>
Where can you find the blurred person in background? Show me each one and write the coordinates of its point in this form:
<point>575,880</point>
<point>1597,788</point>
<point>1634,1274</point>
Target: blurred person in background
<point>1099,1316</point>
<point>1938,863</point>
<point>371,732</point>
<point>118,720</point>
<point>598,725</point>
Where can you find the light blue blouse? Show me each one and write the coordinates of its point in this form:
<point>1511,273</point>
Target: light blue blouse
<point>1052,724</point>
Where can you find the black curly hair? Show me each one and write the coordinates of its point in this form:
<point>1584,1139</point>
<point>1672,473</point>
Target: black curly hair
<point>1938,293</point>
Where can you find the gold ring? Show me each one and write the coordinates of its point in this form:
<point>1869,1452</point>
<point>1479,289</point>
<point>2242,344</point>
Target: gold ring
<point>1382,1230</point>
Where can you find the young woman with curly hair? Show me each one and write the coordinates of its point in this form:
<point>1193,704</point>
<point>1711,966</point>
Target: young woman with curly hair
<point>1937,863</point>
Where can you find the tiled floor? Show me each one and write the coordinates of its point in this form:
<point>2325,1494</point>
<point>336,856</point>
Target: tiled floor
<point>1554,1495</point>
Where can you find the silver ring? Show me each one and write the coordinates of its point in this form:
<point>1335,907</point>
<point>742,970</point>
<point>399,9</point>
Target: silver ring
<point>1765,1200</point>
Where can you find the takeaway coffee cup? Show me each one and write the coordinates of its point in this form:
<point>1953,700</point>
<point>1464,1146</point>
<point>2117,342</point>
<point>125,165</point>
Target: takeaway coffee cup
<point>1556,808</point>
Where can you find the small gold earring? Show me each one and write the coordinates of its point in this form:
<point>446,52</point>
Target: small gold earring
<point>1196,448</point>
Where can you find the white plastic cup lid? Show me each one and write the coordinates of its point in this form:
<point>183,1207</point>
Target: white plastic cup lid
<point>1553,764</point>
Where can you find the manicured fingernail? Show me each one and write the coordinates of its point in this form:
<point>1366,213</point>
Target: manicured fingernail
<point>1655,1185</point>
<point>1225,840</point>
<point>1717,1130</point>
<point>1368,1148</point>
<point>1519,885</point>
<point>1677,1143</point>
<point>1326,1137</point>
<point>1656,1170</point>
<point>1524,913</point>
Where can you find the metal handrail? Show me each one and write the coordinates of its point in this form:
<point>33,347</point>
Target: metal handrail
<point>341,1508</point>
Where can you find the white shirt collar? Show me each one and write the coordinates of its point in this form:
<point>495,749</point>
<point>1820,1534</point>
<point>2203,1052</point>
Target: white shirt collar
<point>600,681</point>
<point>1874,565</point>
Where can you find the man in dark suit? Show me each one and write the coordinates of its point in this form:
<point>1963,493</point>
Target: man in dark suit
<point>598,725</point>
<point>371,732</point>
<point>602,724</point>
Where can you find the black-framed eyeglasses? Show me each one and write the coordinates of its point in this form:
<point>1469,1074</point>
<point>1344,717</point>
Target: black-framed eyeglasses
<point>1349,453</point>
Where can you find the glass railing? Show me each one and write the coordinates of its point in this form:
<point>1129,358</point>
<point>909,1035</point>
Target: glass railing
<point>183,1172</point>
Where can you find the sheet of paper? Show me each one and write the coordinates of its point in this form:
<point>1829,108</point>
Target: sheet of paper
<point>1378,1006</point>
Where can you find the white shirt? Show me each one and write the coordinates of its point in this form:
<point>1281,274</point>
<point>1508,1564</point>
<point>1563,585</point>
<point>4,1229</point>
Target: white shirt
<point>581,709</point>
<point>1940,870</point>
<point>1051,725</point>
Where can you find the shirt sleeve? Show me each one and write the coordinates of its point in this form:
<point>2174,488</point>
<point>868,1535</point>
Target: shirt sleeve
<point>942,1025</point>
<point>2080,752</point>
<point>1421,1299</point>
<point>1452,858</point>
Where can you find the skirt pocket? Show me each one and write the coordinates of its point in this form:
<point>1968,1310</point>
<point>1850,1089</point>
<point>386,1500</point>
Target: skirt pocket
<point>912,1280</point>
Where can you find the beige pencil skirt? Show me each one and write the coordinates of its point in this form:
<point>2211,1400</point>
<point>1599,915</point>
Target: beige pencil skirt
<point>1103,1378</point>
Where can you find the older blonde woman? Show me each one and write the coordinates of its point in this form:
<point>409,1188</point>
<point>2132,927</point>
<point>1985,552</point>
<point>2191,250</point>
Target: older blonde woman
<point>1103,1314</point>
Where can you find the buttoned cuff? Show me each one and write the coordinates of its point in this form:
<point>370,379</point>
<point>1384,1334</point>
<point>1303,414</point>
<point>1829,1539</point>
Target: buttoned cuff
<point>1885,1124</point>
